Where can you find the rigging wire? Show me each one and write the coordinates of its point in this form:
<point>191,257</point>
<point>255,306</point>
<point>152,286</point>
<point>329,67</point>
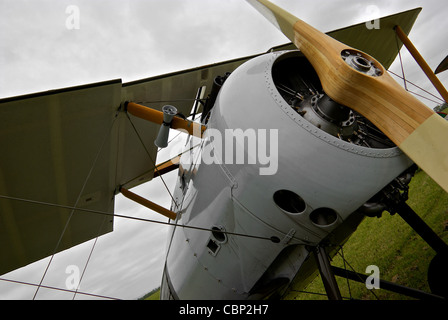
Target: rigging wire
<point>345,268</point>
<point>405,81</point>
<point>88,260</point>
<point>401,61</point>
<point>161,163</point>
<point>345,261</point>
<point>152,160</point>
<point>315,293</point>
<point>107,135</point>
<point>56,288</point>
<point>173,100</point>
<point>272,239</point>
<point>426,91</point>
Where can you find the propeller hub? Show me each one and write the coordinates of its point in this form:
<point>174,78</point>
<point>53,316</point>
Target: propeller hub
<point>328,115</point>
<point>361,62</point>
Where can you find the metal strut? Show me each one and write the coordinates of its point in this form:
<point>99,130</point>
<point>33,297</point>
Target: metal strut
<point>393,199</point>
<point>386,285</point>
<point>421,228</point>
<point>327,274</point>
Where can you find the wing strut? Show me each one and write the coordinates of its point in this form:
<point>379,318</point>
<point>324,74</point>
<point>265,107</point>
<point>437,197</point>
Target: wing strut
<point>167,166</point>
<point>422,63</point>
<point>156,116</point>
<point>147,203</point>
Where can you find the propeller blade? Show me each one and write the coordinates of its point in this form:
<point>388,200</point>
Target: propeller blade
<point>357,80</point>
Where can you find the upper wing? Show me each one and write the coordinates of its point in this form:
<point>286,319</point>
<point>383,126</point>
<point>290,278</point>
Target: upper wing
<point>65,153</point>
<point>377,39</point>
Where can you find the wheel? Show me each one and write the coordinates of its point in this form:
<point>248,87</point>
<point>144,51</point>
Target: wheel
<point>437,279</point>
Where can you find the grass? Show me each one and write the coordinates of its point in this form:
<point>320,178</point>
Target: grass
<point>392,245</point>
<point>152,295</point>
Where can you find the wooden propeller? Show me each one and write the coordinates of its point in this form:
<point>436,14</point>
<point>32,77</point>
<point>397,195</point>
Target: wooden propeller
<point>413,127</point>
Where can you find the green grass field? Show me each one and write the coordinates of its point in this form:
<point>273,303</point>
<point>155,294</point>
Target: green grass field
<point>152,295</point>
<point>389,243</point>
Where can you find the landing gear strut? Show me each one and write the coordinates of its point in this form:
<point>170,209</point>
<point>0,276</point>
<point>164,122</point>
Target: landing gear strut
<point>327,274</point>
<point>393,199</point>
<point>437,279</point>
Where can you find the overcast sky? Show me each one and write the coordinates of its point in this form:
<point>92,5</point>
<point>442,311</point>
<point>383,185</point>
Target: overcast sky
<point>135,39</point>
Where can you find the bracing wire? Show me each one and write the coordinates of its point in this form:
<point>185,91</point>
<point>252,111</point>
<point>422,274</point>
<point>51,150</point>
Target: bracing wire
<point>401,62</point>
<point>75,292</point>
<point>345,268</point>
<point>58,289</point>
<point>173,100</point>
<point>88,260</point>
<point>272,239</point>
<point>426,91</point>
<point>346,262</point>
<point>405,81</point>
<point>151,159</point>
<point>76,204</point>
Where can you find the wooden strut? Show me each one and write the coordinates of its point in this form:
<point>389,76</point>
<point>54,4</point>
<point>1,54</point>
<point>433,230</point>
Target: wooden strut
<point>422,63</point>
<point>147,203</point>
<point>156,116</point>
<point>167,166</point>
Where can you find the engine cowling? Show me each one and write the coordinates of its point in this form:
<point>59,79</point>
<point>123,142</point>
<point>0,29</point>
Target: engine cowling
<point>269,181</point>
<point>328,163</point>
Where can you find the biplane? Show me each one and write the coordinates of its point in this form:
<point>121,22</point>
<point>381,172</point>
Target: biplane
<point>286,153</point>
